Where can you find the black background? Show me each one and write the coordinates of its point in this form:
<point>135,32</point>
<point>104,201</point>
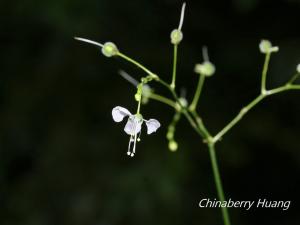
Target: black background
<point>62,158</point>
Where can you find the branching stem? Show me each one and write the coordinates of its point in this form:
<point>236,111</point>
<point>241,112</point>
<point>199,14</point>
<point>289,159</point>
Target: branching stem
<point>196,122</point>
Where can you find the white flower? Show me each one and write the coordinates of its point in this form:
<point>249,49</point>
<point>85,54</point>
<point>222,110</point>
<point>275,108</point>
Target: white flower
<point>133,126</point>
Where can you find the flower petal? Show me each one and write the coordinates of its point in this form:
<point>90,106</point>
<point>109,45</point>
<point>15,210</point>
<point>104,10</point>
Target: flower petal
<point>133,126</point>
<point>118,113</point>
<point>152,125</point>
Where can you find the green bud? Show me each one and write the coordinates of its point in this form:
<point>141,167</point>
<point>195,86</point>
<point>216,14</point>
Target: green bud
<point>265,46</point>
<point>183,102</point>
<point>206,68</point>
<point>170,135</point>
<point>146,93</point>
<point>109,49</point>
<point>173,146</point>
<point>298,68</point>
<point>137,97</point>
<point>176,36</point>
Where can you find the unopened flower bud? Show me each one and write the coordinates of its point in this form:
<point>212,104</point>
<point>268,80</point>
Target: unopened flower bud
<point>206,68</point>
<point>109,49</point>
<point>146,93</point>
<point>183,102</point>
<point>176,36</point>
<point>265,46</point>
<point>173,146</point>
<point>137,97</point>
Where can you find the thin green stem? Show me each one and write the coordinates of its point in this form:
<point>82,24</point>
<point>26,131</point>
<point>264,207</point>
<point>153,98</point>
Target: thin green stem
<point>294,78</point>
<point>197,93</point>
<point>174,67</point>
<point>238,117</point>
<point>284,88</point>
<point>198,126</point>
<point>294,87</point>
<point>135,63</point>
<point>264,72</point>
<point>164,100</point>
<point>218,182</point>
<point>182,108</point>
<point>139,107</point>
<point>201,126</point>
<point>248,107</point>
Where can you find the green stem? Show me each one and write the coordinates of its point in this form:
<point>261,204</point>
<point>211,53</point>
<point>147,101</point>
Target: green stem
<point>253,103</point>
<point>238,117</point>
<point>284,88</point>
<point>197,93</point>
<point>201,126</point>
<point>174,67</point>
<point>264,72</point>
<point>194,125</point>
<point>135,63</point>
<point>163,100</point>
<point>294,78</point>
<point>140,90</point>
<point>218,182</point>
<point>139,108</point>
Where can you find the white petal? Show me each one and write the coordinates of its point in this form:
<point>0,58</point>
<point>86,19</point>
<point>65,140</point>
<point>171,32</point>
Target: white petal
<point>133,126</point>
<point>118,113</point>
<point>152,125</point>
<point>88,41</point>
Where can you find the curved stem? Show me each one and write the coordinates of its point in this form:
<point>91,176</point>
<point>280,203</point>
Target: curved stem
<point>218,182</point>
<point>174,67</point>
<point>197,93</point>
<point>135,63</point>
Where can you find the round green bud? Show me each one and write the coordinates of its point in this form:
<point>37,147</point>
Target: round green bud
<point>146,93</point>
<point>138,97</point>
<point>206,68</point>
<point>109,49</point>
<point>265,46</point>
<point>176,36</point>
<point>173,146</point>
<point>298,68</point>
<point>183,102</point>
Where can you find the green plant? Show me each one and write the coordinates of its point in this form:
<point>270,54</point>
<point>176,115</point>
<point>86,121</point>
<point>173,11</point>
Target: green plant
<point>180,105</point>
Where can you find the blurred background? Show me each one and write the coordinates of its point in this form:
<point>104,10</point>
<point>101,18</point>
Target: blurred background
<point>62,158</point>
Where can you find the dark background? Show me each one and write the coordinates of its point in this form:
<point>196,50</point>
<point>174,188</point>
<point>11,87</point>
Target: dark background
<point>62,158</point>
